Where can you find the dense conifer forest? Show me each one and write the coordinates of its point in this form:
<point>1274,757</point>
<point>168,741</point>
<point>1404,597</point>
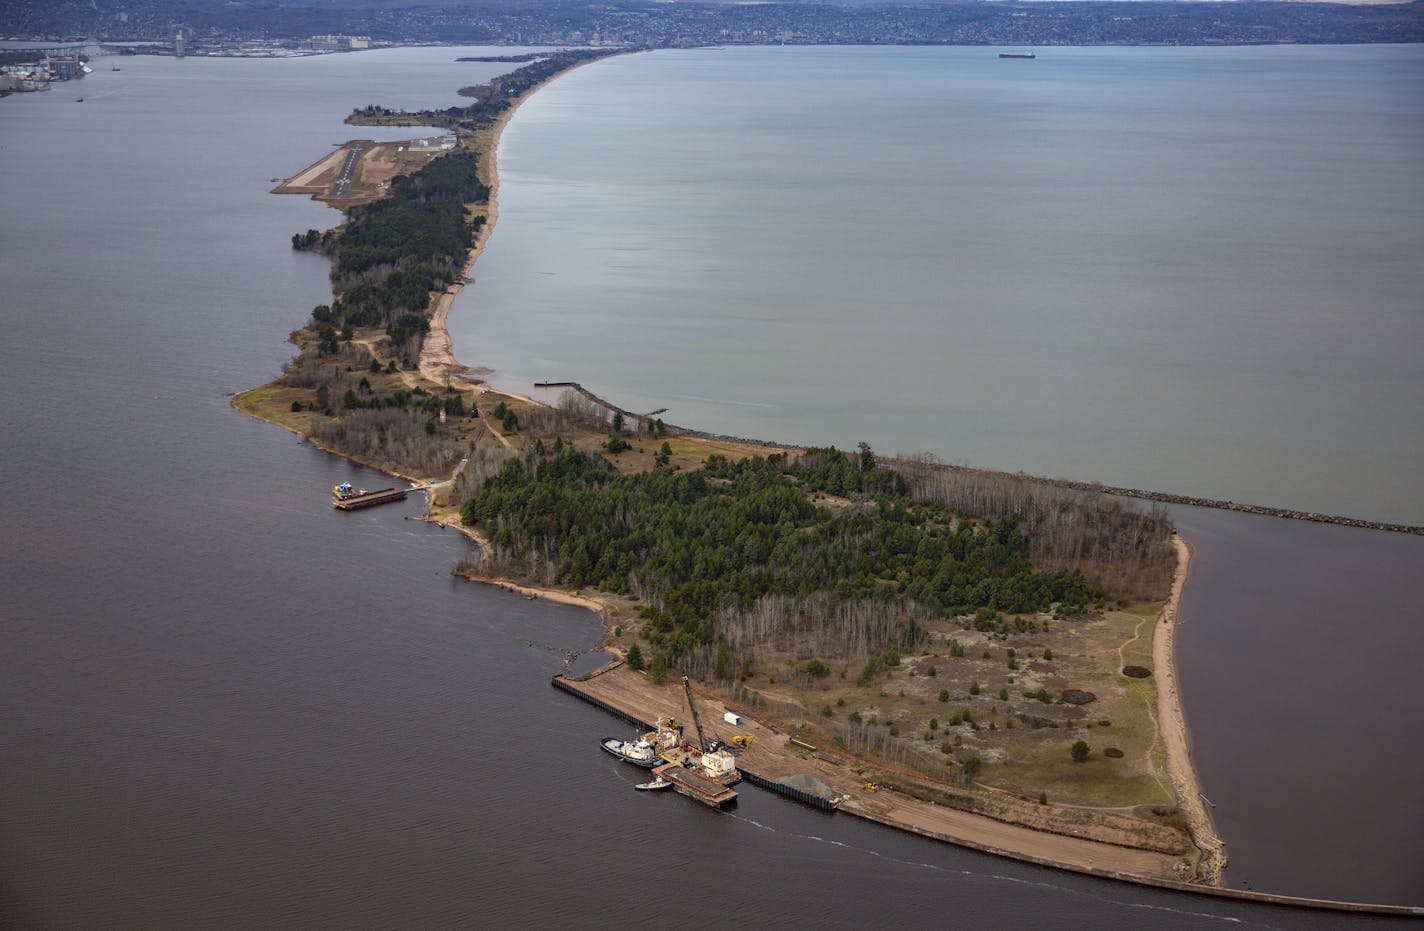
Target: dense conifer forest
<point>702,546</point>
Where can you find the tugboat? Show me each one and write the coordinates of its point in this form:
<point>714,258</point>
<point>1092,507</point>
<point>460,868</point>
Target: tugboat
<point>657,785</point>
<point>638,752</point>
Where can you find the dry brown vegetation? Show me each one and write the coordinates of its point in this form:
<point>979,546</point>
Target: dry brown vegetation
<point>1127,550</point>
<point>970,706</point>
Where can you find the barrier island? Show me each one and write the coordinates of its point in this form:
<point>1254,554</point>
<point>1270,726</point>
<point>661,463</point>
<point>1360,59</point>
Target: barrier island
<point>978,657</point>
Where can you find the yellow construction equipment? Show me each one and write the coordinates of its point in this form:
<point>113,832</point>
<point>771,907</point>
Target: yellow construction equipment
<point>872,787</point>
<point>742,740</point>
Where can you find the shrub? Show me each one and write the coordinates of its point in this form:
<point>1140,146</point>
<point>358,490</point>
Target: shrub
<point>944,694</point>
<point>1080,751</point>
<point>635,658</point>
<point>974,688</point>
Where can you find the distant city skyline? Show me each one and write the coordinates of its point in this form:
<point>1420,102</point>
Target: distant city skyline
<point>638,23</point>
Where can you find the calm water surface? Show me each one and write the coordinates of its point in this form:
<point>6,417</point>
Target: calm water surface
<point>1192,270</point>
<point>224,704</point>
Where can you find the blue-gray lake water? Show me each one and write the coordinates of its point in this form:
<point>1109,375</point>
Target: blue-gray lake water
<point>224,704</point>
<point>1189,270</point>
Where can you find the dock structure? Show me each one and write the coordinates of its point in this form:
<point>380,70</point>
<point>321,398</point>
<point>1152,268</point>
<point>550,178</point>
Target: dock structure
<point>602,402</point>
<point>758,765</point>
<point>369,499</point>
<point>694,786</point>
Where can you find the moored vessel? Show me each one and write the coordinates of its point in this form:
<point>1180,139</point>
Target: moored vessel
<point>348,498</point>
<point>638,752</point>
<point>710,759</point>
<point>694,786</point>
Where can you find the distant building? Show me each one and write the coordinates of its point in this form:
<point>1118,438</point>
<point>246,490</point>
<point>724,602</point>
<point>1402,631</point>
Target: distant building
<point>433,144</point>
<point>340,43</point>
<point>36,74</point>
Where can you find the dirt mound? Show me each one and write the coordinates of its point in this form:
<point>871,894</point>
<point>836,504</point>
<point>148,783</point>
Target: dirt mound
<point>1136,672</point>
<point>808,784</point>
<point>1078,697</point>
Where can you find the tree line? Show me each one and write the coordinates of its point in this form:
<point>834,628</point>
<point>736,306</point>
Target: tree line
<point>700,545</point>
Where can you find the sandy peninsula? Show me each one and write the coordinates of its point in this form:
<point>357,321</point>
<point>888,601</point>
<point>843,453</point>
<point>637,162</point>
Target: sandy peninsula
<point>1104,845</point>
<point>1092,839</point>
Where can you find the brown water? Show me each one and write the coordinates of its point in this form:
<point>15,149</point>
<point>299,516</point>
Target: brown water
<point>224,704</point>
<point>1297,657</point>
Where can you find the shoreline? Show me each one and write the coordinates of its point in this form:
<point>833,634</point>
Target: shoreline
<point>437,354</point>
<point>1058,845</point>
<point>438,364</point>
<point>1172,725</point>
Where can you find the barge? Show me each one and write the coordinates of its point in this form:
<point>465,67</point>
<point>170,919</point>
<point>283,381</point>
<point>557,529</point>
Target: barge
<point>689,783</point>
<point>347,498</point>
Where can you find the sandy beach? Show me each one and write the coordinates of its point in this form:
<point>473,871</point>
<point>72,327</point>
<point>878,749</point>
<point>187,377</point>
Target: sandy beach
<point>437,355</point>
<point>1172,723</point>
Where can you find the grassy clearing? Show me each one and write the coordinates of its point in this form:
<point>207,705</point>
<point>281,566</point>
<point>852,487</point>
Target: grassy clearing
<point>980,707</point>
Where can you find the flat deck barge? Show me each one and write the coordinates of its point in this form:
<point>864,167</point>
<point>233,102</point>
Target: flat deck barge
<point>366,499</point>
<point>692,785</point>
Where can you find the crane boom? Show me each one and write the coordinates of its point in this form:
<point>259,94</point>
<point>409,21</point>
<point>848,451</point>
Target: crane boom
<point>696,722</point>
